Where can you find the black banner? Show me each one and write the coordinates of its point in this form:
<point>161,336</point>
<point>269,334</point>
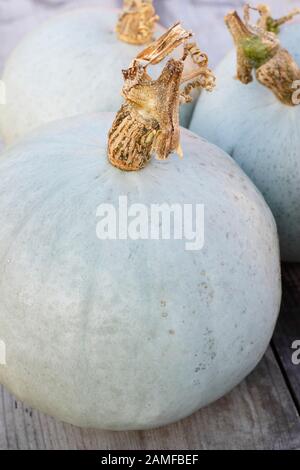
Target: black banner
<point>136,459</point>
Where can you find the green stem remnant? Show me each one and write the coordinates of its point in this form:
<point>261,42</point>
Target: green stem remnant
<point>148,122</point>
<point>260,50</point>
<point>266,21</point>
<point>137,22</point>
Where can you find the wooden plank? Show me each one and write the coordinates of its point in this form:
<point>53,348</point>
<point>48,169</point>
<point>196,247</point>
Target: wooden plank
<point>288,329</point>
<point>258,414</point>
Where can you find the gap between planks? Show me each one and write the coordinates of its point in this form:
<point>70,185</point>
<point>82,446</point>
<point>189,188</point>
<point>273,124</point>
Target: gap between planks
<point>288,330</point>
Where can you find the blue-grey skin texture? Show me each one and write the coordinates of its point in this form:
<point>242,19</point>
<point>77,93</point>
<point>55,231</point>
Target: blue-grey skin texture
<point>263,136</point>
<point>129,334</point>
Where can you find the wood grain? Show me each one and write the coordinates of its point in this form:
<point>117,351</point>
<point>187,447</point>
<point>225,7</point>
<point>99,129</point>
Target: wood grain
<point>288,329</point>
<point>258,414</point>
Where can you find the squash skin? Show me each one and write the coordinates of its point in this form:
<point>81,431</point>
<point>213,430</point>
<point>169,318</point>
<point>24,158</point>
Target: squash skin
<point>263,136</point>
<point>128,334</point>
<point>71,65</point>
<point>290,39</point>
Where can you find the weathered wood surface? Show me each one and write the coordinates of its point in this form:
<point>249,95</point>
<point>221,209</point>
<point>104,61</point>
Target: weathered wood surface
<point>258,414</point>
<point>288,330</point>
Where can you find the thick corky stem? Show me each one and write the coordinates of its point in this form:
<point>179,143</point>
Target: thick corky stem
<point>240,34</point>
<point>148,122</point>
<point>137,22</point>
<point>260,50</point>
<point>279,74</point>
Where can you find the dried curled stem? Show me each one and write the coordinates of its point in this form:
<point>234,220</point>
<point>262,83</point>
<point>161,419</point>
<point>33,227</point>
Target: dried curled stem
<point>137,22</point>
<point>260,50</point>
<point>266,21</point>
<point>202,77</point>
<point>148,122</point>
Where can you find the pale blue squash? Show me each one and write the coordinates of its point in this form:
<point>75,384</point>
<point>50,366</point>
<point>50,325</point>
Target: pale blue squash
<point>290,39</point>
<point>262,135</point>
<point>130,328</point>
<point>129,334</point>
